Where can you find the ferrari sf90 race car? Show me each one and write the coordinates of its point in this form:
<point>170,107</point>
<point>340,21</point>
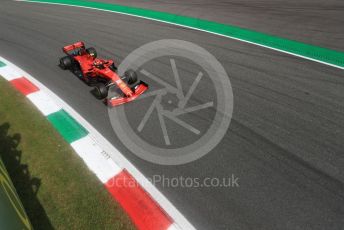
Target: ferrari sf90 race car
<point>102,74</point>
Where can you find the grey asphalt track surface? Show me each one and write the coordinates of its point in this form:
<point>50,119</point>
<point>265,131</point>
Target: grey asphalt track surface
<point>285,141</point>
<point>316,22</point>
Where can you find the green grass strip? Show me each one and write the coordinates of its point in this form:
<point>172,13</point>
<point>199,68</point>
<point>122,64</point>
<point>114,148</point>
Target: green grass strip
<point>70,129</point>
<point>56,188</point>
<point>324,55</point>
<point>2,64</point>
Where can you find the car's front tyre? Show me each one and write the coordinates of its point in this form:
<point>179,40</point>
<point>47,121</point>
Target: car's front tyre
<point>101,91</point>
<point>130,76</point>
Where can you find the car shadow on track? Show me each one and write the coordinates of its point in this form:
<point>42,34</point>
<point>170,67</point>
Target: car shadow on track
<point>26,186</point>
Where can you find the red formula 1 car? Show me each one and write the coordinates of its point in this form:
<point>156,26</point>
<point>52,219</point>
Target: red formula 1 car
<point>102,74</point>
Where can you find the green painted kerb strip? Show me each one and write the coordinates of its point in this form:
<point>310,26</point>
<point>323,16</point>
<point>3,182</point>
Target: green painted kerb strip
<point>70,129</point>
<point>2,64</point>
<point>332,57</point>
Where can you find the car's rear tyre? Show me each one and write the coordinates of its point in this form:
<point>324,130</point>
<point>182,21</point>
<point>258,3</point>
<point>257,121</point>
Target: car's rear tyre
<point>92,51</point>
<point>130,76</point>
<point>66,62</point>
<point>101,91</point>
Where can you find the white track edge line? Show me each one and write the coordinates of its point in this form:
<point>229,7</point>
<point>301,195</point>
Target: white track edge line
<point>189,27</point>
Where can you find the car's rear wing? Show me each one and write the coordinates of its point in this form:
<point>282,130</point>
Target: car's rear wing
<point>74,46</point>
